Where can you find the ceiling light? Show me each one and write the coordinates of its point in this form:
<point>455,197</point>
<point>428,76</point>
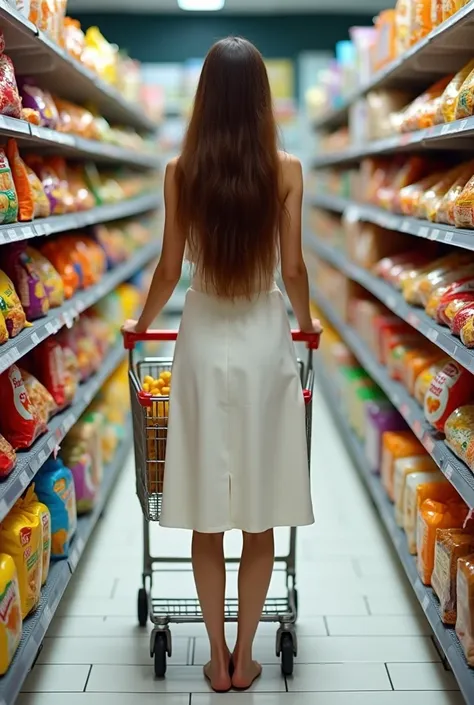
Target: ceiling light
<point>201,5</point>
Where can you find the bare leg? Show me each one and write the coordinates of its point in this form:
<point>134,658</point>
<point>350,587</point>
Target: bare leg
<point>209,575</point>
<point>254,578</point>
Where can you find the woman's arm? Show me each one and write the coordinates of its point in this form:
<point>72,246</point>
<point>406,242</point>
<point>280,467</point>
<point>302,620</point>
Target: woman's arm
<point>293,268</point>
<point>168,270</point>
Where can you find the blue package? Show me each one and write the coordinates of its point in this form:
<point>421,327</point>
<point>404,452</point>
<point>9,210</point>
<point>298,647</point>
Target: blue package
<point>54,486</point>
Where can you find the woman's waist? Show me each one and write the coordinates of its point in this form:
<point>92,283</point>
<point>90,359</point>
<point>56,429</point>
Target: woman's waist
<point>198,284</point>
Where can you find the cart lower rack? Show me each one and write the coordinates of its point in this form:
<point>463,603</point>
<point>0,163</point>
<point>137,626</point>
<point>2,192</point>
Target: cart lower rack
<point>150,426</point>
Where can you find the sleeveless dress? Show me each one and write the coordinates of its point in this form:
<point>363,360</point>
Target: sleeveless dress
<point>236,453</point>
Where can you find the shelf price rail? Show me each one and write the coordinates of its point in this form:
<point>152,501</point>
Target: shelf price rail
<point>445,636</point>
<point>455,471</point>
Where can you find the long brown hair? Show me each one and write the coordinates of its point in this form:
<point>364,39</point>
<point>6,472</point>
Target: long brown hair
<point>227,176</point>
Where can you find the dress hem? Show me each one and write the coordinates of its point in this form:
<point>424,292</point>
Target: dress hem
<point>233,527</point>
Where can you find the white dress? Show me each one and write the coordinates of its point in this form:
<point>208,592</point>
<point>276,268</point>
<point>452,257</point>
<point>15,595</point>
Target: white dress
<point>236,451</point>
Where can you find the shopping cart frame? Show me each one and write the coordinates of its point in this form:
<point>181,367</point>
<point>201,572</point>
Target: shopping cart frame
<point>163,612</point>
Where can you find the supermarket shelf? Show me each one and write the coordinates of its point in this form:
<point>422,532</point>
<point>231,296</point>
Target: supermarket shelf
<point>457,237</point>
<point>29,462</point>
<point>454,136</point>
<point>73,221</point>
<point>64,315</point>
<point>446,637</point>
<point>416,317</point>
<point>454,470</point>
<point>36,625</point>
<point>34,54</point>
<point>445,50</point>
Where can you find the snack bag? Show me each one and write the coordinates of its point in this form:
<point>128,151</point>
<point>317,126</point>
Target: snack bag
<point>10,307</point>
<point>463,210</point>
<point>54,487</point>
<point>48,365</point>
<point>465,604</point>
<point>7,458</point>
<point>52,282</point>
<point>3,330</point>
<point>417,362</point>
<point>83,198</point>
<point>39,100</point>
<point>21,268</point>
<point>72,375</point>
<point>421,486</point>
<point>51,183</point>
<point>452,387</point>
<point>33,505</point>
<point>57,165</point>
<point>411,195</point>
<point>82,453</point>
<point>422,112</point>
<point>73,39</point>
<point>43,402</point>
<point>448,104</point>
<point>8,197</point>
<point>464,104</point>
<point>10,103</point>
<point>61,260</point>
<point>397,445</point>
<point>20,423</point>
<point>403,468</point>
<point>11,623</point>
<point>424,379</point>
<point>461,317</point>
<point>421,22</point>
<point>26,204</point>
<point>21,538</point>
<point>446,206</point>
<point>455,295</point>
<point>450,546</point>
<point>430,201</point>
<point>467,333</point>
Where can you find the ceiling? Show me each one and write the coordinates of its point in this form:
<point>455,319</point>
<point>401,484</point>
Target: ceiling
<point>237,6</point>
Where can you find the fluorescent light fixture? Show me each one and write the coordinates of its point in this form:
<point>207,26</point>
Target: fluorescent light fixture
<point>201,5</point>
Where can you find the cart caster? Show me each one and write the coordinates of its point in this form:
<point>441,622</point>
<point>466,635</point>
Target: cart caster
<point>287,654</point>
<point>142,607</point>
<point>160,652</point>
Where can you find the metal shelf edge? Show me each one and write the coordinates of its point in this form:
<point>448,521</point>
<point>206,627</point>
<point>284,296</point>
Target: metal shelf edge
<point>446,636</point>
<point>37,624</point>
<point>454,470</point>
<point>448,234</point>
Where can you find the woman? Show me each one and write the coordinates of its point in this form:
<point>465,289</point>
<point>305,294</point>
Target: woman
<point>236,450</point>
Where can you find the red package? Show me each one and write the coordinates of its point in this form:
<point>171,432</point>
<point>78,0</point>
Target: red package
<point>461,318</point>
<point>388,326</point>
<point>452,387</point>
<point>19,421</point>
<point>10,103</point>
<point>460,290</point>
<point>48,366</point>
<point>7,457</point>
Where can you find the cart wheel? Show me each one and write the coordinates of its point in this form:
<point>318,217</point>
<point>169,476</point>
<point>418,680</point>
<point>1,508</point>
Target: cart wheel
<point>142,607</point>
<point>160,655</point>
<point>287,654</point>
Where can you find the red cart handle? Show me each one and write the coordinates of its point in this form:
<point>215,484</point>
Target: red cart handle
<point>130,339</point>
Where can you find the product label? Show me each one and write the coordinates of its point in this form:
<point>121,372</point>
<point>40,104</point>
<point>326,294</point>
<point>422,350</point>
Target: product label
<point>20,396</point>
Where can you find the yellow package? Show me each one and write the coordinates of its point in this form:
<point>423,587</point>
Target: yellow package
<point>445,212</point>
<point>464,205</point>
<point>448,105</point>
<point>465,100</point>
<point>11,622</point>
<point>20,537</point>
<point>10,307</point>
<point>42,511</point>
<point>452,6</point>
<point>3,330</point>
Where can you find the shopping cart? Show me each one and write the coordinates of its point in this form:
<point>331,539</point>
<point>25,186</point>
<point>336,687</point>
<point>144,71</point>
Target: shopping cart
<point>150,420</point>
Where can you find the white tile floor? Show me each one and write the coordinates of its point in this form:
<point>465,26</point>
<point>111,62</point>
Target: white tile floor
<point>363,639</point>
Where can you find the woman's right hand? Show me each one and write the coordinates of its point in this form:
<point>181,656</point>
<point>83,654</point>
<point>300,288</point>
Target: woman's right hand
<point>313,327</point>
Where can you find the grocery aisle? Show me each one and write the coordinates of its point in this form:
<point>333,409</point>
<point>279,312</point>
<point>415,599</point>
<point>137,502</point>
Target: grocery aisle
<point>362,634</point>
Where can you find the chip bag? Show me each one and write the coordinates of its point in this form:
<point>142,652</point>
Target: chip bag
<point>21,268</point>
<point>42,512</point>
<point>461,317</point>
<point>8,197</point>
<point>10,102</point>
<point>48,364</point>
<point>10,307</point>
<point>21,538</point>
<point>11,623</point>
<point>452,387</point>
<point>445,212</point>
<point>54,487</point>
<point>60,258</point>
<point>52,282</point>
<point>448,104</point>
<point>20,423</point>
<point>43,402</point>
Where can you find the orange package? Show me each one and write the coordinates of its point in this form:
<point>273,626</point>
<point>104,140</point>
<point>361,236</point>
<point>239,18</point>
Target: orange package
<point>436,12</point>
<point>422,112</point>
<point>403,21</point>
<point>434,515</point>
<point>385,48</point>
<point>430,201</point>
<point>421,21</point>
<point>90,256</point>
<point>64,264</point>
<point>452,6</point>
<point>465,606</point>
<point>417,361</point>
<point>451,545</point>
<point>411,195</point>
<point>449,99</point>
<point>396,445</point>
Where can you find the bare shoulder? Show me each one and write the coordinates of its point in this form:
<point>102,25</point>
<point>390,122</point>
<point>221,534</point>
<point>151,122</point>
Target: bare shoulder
<point>170,170</point>
<point>291,172</point>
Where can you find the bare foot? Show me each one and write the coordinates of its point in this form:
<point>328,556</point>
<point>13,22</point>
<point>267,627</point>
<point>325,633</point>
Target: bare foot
<point>244,676</point>
<point>218,676</point>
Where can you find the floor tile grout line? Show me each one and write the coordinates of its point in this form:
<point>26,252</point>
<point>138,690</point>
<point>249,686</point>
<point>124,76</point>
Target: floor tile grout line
<point>87,679</point>
<point>326,626</point>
